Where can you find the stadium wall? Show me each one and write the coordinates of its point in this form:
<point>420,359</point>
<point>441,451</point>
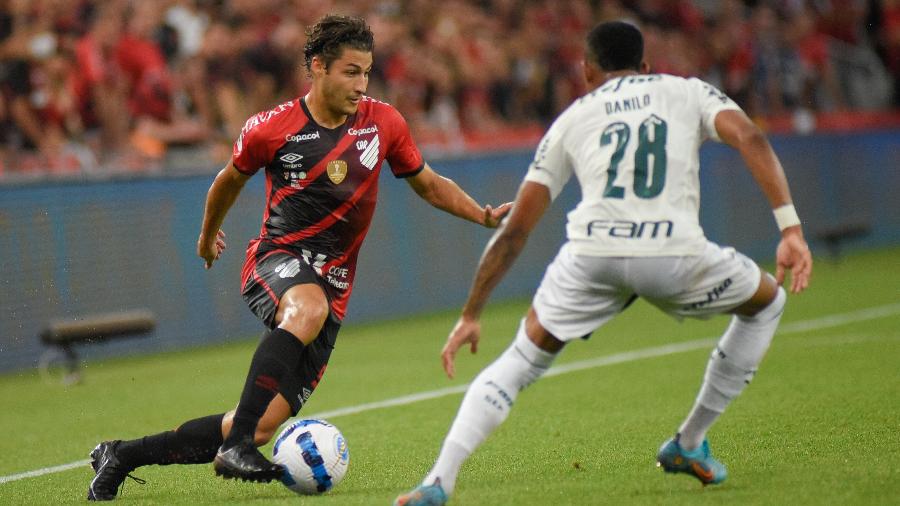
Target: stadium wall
<point>73,249</point>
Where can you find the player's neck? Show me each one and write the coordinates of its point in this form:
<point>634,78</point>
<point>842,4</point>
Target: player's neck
<point>608,76</point>
<point>321,114</point>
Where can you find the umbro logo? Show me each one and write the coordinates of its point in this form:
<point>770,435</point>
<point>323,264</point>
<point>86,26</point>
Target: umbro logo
<point>303,396</point>
<point>291,157</point>
<point>291,160</point>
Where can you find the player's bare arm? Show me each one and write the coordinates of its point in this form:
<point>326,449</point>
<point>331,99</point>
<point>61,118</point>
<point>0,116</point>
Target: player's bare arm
<point>221,196</point>
<point>499,255</point>
<point>444,194</point>
<point>738,131</point>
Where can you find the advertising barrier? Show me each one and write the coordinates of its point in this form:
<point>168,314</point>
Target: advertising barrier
<point>69,250</point>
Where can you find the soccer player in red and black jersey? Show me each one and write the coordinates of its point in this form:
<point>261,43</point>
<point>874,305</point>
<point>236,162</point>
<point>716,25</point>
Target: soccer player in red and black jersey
<point>322,154</point>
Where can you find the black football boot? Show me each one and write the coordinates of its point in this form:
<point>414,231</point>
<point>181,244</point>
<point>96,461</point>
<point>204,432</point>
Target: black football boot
<point>110,472</point>
<point>244,461</point>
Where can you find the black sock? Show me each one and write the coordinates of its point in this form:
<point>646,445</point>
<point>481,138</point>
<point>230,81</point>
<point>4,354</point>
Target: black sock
<point>194,442</point>
<point>278,352</point>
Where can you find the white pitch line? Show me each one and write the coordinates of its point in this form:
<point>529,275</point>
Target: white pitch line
<point>871,313</point>
<point>46,470</point>
<point>387,403</point>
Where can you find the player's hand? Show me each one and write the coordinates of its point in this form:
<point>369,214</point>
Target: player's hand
<point>465,331</point>
<point>210,251</point>
<point>793,254</point>
<point>493,217</point>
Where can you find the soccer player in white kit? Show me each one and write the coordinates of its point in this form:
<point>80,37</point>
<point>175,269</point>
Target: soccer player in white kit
<point>632,143</point>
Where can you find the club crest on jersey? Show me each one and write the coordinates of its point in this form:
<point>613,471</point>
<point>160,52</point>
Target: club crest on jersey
<point>369,156</point>
<point>337,171</point>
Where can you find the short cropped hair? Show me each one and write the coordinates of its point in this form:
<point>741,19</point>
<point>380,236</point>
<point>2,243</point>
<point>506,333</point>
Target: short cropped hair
<point>331,34</point>
<point>615,45</point>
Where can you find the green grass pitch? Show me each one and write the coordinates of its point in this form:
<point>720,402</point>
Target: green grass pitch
<point>819,425</point>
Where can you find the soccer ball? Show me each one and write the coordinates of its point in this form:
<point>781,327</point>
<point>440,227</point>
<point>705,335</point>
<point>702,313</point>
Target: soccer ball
<point>314,454</point>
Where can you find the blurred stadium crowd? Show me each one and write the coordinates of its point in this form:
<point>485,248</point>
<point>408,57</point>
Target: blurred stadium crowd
<point>104,86</point>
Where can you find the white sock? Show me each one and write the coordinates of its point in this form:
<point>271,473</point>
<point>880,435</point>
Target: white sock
<point>731,367</point>
<point>487,403</point>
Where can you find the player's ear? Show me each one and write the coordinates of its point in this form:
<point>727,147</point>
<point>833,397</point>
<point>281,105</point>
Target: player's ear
<point>645,67</point>
<point>592,74</point>
<point>318,66</point>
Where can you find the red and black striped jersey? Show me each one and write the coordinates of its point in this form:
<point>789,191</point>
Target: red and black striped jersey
<point>322,184</point>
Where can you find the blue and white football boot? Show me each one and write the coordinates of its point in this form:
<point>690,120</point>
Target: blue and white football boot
<point>698,463</point>
<point>424,495</point>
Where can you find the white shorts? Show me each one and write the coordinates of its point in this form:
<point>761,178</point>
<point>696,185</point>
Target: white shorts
<point>580,293</point>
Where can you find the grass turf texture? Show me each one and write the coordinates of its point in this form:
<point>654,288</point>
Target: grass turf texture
<point>819,425</point>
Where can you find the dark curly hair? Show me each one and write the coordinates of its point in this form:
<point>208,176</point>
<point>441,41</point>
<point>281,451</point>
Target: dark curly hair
<point>616,45</point>
<point>328,37</point>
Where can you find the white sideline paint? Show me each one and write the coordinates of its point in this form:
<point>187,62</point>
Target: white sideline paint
<point>871,313</point>
<point>46,470</point>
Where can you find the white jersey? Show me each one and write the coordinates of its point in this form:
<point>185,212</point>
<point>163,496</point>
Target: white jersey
<point>633,144</point>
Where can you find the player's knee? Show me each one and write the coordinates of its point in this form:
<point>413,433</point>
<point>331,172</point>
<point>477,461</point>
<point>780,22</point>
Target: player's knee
<point>314,312</point>
<point>769,299</point>
<point>773,309</point>
<point>778,302</point>
<point>300,316</point>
